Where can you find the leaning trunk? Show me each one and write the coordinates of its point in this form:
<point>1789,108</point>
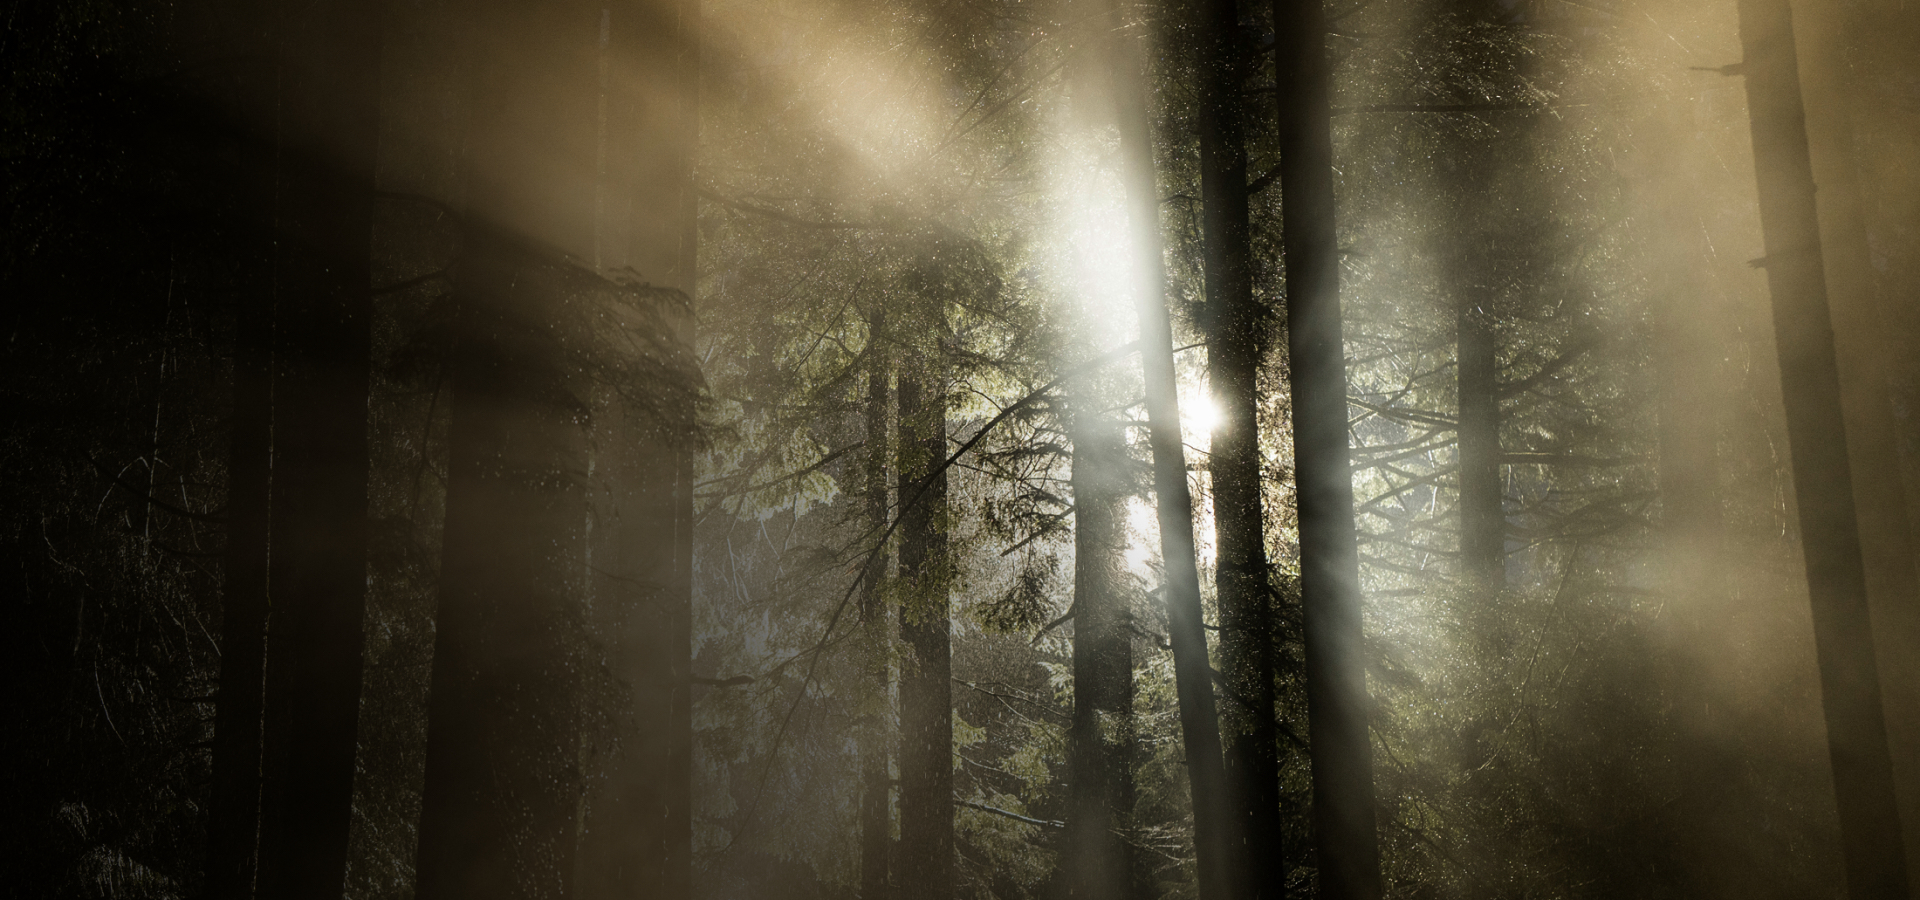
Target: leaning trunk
<point>1236,343</point>
<point>1345,840</point>
<point>1199,723</point>
<point>1868,356</point>
<point>1870,827</point>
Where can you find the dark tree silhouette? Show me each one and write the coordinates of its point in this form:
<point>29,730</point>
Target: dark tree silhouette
<point>1124,63</point>
<point>328,101</point>
<point>636,836</point>
<point>1822,475</point>
<point>500,800</point>
<point>1238,325</point>
<point>876,789</point>
<point>926,679</point>
<point>1100,863</point>
<point>1345,841</point>
<point>233,814</point>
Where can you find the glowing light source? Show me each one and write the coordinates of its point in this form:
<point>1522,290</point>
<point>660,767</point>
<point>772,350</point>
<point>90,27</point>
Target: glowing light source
<point>1200,415</point>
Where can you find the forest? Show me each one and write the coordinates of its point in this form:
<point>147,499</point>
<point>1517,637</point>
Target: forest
<point>960,449</point>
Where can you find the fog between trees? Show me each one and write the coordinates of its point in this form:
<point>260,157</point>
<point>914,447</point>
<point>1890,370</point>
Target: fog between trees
<point>771,420</point>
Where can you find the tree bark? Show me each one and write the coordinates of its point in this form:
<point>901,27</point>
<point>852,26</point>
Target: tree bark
<point>876,816</point>
<point>1863,327</point>
<point>1099,862</point>
<point>626,837</point>
<point>328,135</point>
<point>1236,345</point>
<point>636,836</point>
<point>233,819</point>
<point>1823,483</point>
<point>233,815</point>
<point>500,801</point>
<point>1483,522</point>
<point>926,679</point>
<point>1345,841</point>
<point>1173,500</point>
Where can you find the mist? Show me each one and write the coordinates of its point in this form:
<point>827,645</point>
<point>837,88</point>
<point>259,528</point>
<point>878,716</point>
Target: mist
<point>973,449</point>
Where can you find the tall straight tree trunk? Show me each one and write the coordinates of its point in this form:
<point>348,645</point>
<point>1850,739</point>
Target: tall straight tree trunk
<point>1870,825</point>
<point>328,136</point>
<point>876,817</point>
<point>501,797</point>
<point>625,838</point>
<point>1483,522</point>
<point>500,801</point>
<point>1863,327</point>
<point>233,815</point>
<point>1236,345</point>
<point>1099,860</point>
<point>637,832</point>
<point>1345,840</point>
<point>677,874</point>
<point>1173,500</point>
<point>233,820</point>
<point>684,44</point>
<point>926,677</point>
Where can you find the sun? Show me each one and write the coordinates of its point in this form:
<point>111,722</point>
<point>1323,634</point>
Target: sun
<point>1200,415</point>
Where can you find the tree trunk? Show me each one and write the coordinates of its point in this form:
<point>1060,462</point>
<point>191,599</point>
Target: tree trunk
<point>328,135</point>
<point>1822,477</point>
<point>1099,861</point>
<point>625,835</point>
<point>1863,327</point>
<point>233,818</point>
<point>636,836</point>
<point>1199,722</point>
<point>1236,345</point>
<point>500,801</point>
<point>1345,840</point>
<point>876,816</point>
<point>926,679</point>
<point>1483,522</point>
<point>233,815</point>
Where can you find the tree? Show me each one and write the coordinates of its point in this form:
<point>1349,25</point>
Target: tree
<point>1865,324</point>
<point>1345,840</point>
<point>926,691</point>
<point>317,575</point>
<point>1173,501</point>
<point>1100,860</point>
<point>637,828</point>
<point>233,809</point>
<point>1236,347</point>
<point>500,802</point>
<point>876,788</point>
<point>1822,475</point>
